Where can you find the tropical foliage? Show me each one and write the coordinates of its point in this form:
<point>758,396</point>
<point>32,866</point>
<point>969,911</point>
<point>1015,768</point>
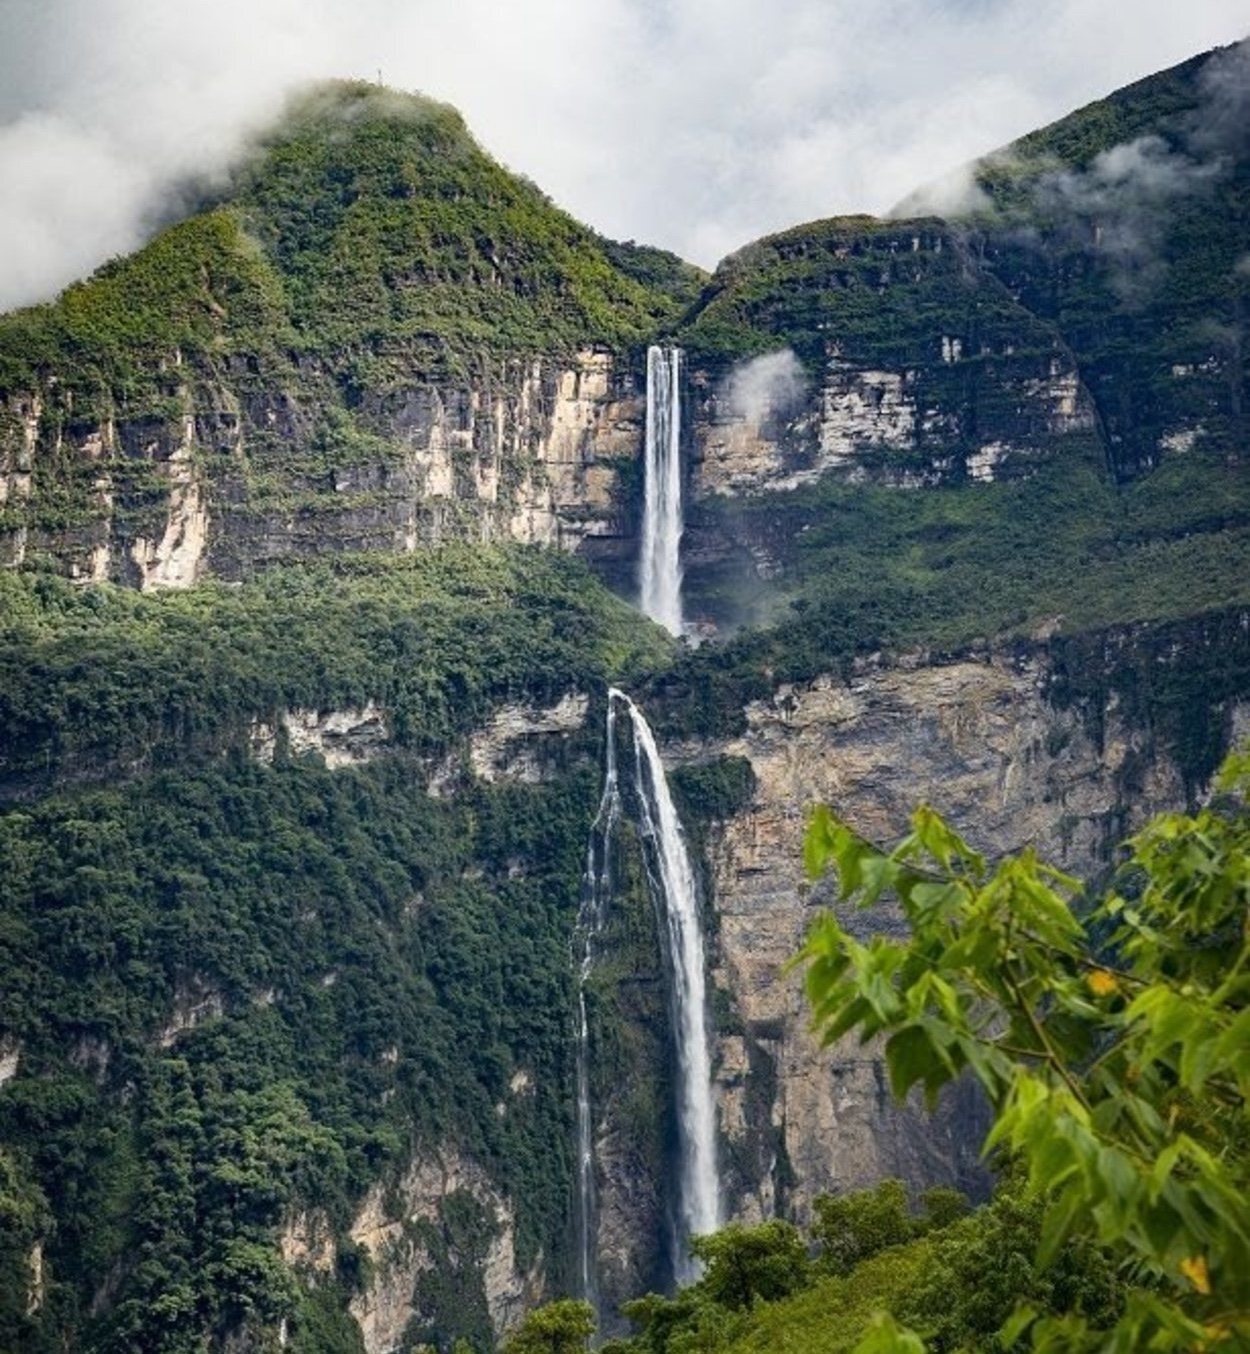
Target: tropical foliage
<point>1111,1040</point>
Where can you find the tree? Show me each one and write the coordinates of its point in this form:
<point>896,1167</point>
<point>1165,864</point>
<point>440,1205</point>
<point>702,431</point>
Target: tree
<point>750,1264</point>
<point>942,1206</point>
<point>561,1327</point>
<point>982,1266</point>
<point>851,1227</point>
<point>1113,1041</point>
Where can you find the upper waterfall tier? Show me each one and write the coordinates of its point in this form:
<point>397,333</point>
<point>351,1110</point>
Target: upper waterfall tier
<point>660,572</point>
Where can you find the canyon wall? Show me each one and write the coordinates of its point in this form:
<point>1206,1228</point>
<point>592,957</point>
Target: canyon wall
<point>235,474</point>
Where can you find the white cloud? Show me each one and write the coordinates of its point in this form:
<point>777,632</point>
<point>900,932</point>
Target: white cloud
<point>695,124</point>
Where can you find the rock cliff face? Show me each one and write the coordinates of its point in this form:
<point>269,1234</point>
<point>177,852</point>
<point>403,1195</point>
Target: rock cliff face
<point>527,450</point>
<point>439,1234</point>
<point>994,742</point>
<point>410,1233</point>
<point>903,426</point>
<point>1031,743</point>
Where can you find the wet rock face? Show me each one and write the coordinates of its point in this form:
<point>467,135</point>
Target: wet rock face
<point>239,473</point>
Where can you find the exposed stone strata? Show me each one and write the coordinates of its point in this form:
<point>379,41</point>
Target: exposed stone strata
<point>307,1243</point>
<point>529,450</point>
<point>341,737</point>
<point>514,744</point>
<point>36,1287</point>
<point>10,1058</point>
<point>388,1228</point>
<point>19,431</point>
<point>176,560</point>
<point>195,1001</point>
<point>517,744</point>
<point>907,428</point>
<point>979,739</point>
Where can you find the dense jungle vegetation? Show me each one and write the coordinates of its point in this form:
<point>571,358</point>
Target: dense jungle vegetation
<point>240,989</point>
<point>1109,1034</point>
<point>366,215</point>
<point>243,989</point>
<point>1063,556</point>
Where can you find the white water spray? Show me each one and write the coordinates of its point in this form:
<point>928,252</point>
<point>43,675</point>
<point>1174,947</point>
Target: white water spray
<point>672,883</point>
<point>662,512</point>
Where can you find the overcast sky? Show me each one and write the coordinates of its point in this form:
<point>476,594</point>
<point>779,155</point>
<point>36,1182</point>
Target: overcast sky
<point>695,124</point>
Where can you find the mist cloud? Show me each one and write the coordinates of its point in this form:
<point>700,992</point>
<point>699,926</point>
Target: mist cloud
<point>694,124</point>
<point>769,386</point>
<point>1122,203</point>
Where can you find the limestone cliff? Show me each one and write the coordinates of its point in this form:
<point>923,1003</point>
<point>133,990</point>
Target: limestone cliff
<point>1062,744</point>
<point>994,740</point>
<point>901,426</point>
<point>440,1235</point>
<point>529,450</point>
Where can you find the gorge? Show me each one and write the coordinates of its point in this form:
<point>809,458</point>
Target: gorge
<point>360,988</point>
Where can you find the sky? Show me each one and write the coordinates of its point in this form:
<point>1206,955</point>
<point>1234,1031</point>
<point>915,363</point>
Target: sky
<point>693,124</point>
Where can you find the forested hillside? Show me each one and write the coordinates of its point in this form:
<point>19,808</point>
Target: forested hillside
<point>320,517</point>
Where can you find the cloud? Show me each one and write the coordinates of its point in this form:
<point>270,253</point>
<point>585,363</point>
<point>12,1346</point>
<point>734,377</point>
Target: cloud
<point>951,195</point>
<point>769,386</point>
<point>694,124</point>
<point>1225,124</point>
<point>1122,205</point>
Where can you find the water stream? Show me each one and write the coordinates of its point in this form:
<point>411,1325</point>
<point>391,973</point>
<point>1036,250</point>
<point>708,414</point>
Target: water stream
<point>660,565</point>
<point>671,879</point>
<point>596,889</point>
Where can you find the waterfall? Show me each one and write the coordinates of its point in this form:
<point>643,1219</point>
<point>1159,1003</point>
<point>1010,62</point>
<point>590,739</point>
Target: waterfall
<point>662,520</point>
<point>596,888</point>
<point>671,880</point>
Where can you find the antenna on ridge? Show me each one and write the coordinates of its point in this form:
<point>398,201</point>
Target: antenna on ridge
<point>379,76</point>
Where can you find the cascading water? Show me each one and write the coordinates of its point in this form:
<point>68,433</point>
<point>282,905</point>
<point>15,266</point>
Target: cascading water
<point>660,572</point>
<point>672,882</point>
<point>596,887</point>
<point>698,1188</point>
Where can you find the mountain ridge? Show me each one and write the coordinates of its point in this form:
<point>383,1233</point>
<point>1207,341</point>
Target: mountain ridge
<point>292,846</point>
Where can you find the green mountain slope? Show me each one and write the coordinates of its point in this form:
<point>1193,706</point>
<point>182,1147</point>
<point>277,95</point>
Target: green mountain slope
<point>368,222</point>
<point>249,974</point>
<point>243,985</point>
<point>1125,225</point>
<point>1107,256</point>
<point>367,260</point>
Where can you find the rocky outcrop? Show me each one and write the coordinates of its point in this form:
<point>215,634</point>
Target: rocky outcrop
<point>195,1001</point>
<point>340,737</point>
<point>238,472</point>
<point>10,1058</point>
<point>520,743</point>
<point>176,559</point>
<point>306,1243</point>
<point>403,1231</point>
<point>511,747</point>
<point>906,427</point>
<point>37,1287</point>
<point>990,740</point>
